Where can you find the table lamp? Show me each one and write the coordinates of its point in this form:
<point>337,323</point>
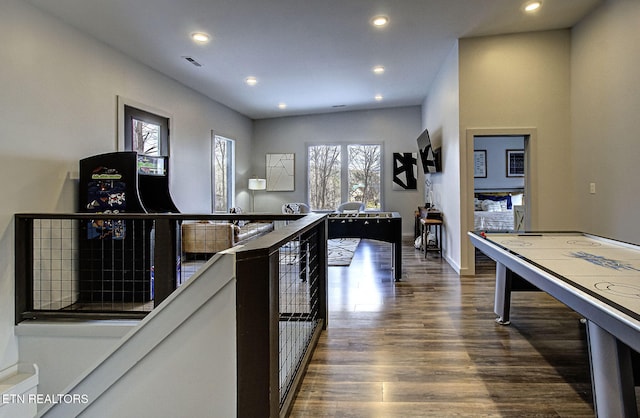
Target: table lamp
<point>256,184</point>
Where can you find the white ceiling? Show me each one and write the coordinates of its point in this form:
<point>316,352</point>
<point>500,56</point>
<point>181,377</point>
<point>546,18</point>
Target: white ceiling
<point>311,55</point>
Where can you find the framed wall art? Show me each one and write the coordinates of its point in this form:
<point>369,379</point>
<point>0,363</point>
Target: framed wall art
<point>480,163</point>
<point>405,171</point>
<point>280,172</point>
<point>515,163</point>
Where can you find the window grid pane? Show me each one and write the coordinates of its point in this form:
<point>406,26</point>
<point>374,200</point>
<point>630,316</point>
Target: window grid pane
<point>364,175</point>
<point>223,179</point>
<point>146,137</point>
<point>324,176</point>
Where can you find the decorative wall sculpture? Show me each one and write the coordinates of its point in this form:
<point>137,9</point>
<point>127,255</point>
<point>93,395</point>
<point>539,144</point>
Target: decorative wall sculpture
<point>405,171</point>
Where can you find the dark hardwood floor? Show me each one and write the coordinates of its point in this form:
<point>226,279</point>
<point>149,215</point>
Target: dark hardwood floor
<point>429,346</point>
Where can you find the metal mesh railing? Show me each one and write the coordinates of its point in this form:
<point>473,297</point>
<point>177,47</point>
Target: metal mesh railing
<point>73,264</point>
<point>111,266</point>
<point>55,267</point>
<point>91,265</point>
<point>299,305</point>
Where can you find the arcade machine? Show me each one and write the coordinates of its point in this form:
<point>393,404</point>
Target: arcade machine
<point>116,256</point>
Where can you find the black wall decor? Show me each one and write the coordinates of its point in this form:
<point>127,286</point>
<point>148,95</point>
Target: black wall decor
<point>405,171</point>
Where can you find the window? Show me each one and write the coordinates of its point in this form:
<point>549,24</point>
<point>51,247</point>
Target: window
<point>324,177</point>
<point>364,175</point>
<point>146,132</point>
<point>330,182</point>
<point>223,180</point>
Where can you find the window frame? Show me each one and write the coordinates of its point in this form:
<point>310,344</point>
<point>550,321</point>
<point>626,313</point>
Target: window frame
<point>230,171</point>
<point>124,144</point>
<point>346,192</point>
<point>344,170</point>
<point>308,167</point>
<point>131,113</point>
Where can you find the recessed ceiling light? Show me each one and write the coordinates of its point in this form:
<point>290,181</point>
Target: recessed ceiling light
<point>379,97</point>
<point>282,105</point>
<point>380,21</point>
<point>251,81</point>
<point>378,69</point>
<point>532,6</point>
<point>200,37</point>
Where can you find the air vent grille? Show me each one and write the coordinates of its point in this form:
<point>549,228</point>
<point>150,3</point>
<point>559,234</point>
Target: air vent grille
<point>192,61</point>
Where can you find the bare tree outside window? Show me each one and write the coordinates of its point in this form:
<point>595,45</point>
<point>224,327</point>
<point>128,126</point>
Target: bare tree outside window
<point>324,177</point>
<point>223,181</point>
<point>146,137</point>
<point>364,175</point>
<point>362,172</point>
<point>145,133</point>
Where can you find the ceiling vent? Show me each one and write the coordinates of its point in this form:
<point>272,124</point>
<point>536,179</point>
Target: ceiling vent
<point>193,61</point>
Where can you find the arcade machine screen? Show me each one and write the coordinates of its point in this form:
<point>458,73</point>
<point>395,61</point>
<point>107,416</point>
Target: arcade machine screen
<point>151,165</point>
<point>153,184</point>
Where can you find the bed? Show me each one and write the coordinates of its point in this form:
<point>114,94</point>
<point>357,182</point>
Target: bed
<point>494,209</point>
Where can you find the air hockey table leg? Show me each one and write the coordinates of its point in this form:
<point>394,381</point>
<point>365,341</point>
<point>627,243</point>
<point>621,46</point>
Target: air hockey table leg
<point>611,375</point>
<point>502,301</point>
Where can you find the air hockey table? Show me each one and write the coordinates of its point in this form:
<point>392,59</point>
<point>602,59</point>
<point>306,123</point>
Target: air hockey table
<point>381,226</point>
<point>599,278</point>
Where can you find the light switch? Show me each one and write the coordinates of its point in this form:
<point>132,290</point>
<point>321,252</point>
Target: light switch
<point>592,188</point>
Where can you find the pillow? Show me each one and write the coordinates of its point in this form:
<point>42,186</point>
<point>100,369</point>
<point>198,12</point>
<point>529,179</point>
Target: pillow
<point>506,198</point>
<point>489,205</point>
<point>517,199</point>
<point>238,210</point>
<point>351,212</point>
<point>291,208</point>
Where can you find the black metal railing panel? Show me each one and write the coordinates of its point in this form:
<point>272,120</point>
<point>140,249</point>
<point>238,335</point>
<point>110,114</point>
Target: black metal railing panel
<point>286,325</point>
<point>299,305</point>
<point>55,268</point>
<point>111,266</point>
<point>117,265</point>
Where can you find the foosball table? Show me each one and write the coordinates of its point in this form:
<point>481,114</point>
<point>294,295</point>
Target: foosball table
<point>381,226</point>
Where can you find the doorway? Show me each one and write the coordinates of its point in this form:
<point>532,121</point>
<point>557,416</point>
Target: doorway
<point>499,178</point>
<point>499,182</point>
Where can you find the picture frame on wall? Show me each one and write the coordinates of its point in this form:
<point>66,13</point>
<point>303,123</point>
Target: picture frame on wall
<point>480,163</point>
<point>280,172</point>
<point>515,163</point>
<point>405,171</point>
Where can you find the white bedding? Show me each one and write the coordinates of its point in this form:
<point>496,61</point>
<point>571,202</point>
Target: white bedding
<point>491,221</point>
<point>494,210</point>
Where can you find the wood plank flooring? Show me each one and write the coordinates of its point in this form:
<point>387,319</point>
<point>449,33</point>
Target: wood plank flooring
<point>428,346</point>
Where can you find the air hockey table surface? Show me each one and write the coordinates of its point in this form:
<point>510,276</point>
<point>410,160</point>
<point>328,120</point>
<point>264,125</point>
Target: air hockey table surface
<point>606,269</point>
<point>595,276</point>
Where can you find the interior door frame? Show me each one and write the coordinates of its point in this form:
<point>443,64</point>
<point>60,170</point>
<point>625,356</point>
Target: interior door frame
<point>467,202</point>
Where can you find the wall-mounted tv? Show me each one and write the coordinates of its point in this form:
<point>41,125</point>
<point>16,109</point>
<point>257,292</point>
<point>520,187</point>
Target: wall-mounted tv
<point>430,158</point>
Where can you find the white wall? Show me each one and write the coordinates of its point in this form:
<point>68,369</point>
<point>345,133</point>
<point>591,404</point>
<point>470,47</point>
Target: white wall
<point>513,83</point>
<point>58,105</point>
<point>180,360</point>
<point>605,101</point>
<point>83,344</point>
<point>397,128</point>
<point>496,151</point>
<point>441,116</point>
